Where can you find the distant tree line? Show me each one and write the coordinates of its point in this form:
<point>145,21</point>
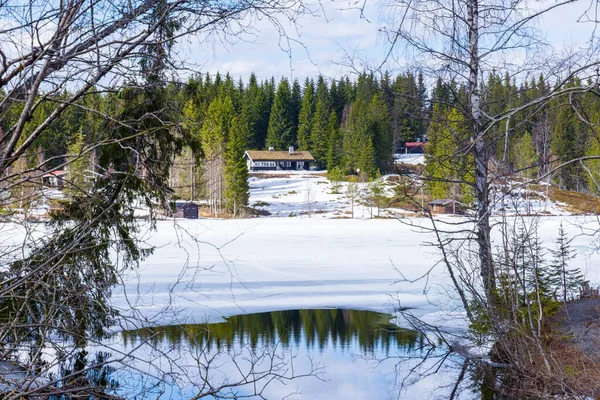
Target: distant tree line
<point>351,125</point>
<point>535,142</point>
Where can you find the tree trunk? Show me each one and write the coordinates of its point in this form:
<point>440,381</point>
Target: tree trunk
<point>481,157</point>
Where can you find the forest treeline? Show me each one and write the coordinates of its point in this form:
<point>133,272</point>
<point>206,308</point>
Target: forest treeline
<point>347,124</point>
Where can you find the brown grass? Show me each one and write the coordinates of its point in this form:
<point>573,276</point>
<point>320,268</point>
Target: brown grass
<point>577,203</point>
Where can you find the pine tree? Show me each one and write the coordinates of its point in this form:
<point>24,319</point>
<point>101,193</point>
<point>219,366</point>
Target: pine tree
<point>280,134</point>
<point>565,281</point>
<point>236,170</point>
<point>253,112</point>
<point>79,167</point>
<point>305,118</point>
<point>381,135</point>
<point>568,143</point>
<point>593,165</point>
<point>296,103</point>
<point>357,145</point>
<point>214,135</point>
<point>449,170</point>
<point>319,135</point>
<point>524,157</point>
<point>334,145</point>
<point>439,155</point>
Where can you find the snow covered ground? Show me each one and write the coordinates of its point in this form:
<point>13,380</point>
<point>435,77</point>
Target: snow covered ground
<point>410,159</point>
<point>205,269</point>
<point>309,194</point>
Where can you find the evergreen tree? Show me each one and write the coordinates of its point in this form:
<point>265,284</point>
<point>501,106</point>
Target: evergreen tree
<point>213,136</point>
<point>593,165</point>
<point>280,134</point>
<point>382,140</point>
<point>296,103</point>
<point>253,114</point>
<point>334,146</point>
<point>79,167</point>
<point>319,135</point>
<point>525,157</point>
<point>236,170</point>
<point>448,169</point>
<point>568,143</point>
<point>565,280</point>
<point>439,154</point>
<point>306,116</point>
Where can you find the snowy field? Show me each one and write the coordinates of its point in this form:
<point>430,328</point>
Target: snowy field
<point>309,195</point>
<point>304,194</point>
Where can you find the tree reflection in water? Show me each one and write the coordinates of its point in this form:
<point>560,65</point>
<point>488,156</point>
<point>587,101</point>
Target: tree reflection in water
<point>372,356</point>
<point>288,328</point>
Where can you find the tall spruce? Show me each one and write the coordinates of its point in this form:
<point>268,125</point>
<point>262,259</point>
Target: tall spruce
<point>305,118</point>
<point>319,134</point>
<point>334,145</point>
<point>280,134</point>
<point>236,172</point>
<point>564,279</point>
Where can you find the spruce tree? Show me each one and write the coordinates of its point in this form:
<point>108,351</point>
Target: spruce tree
<point>305,118</point>
<point>319,135</point>
<point>252,114</point>
<point>525,157</point>
<point>334,145</point>
<point>565,280</point>
<point>381,135</point>
<point>236,170</point>
<point>439,155</point>
<point>79,167</point>
<point>593,165</point>
<point>280,134</point>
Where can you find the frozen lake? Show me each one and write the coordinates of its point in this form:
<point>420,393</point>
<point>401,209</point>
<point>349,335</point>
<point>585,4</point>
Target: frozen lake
<point>202,270</point>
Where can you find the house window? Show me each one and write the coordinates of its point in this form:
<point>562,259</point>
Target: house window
<point>264,164</point>
<point>300,165</point>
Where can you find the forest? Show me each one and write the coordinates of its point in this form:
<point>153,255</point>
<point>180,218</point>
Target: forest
<point>347,124</point>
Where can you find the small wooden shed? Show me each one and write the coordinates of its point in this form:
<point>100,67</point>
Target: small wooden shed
<point>186,210</point>
<point>446,206</point>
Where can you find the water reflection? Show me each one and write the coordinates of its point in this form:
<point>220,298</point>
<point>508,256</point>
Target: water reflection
<point>340,354</point>
<point>312,328</point>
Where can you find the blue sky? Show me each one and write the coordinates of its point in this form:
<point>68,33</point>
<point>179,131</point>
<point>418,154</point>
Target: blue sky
<point>325,43</point>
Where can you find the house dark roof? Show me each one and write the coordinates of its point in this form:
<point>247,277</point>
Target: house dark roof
<point>265,155</point>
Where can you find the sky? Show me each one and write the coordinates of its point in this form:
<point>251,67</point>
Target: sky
<point>340,39</point>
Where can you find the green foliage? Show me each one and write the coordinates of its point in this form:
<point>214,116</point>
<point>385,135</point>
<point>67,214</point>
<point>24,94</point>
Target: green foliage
<point>335,175</point>
<point>319,134</point>
<point>564,280</point>
<point>305,119</point>
<point>377,192</point>
<point>449,165</point>
<point>525,157</point>
<point>569,142</point>
<point>236,172</point>
<point>281,132</point>
<point>593,165</point>
<point>80,168</point>
<point>334,145</point>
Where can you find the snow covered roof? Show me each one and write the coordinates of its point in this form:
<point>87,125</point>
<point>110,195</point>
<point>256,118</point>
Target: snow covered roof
<point>267,155</point>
